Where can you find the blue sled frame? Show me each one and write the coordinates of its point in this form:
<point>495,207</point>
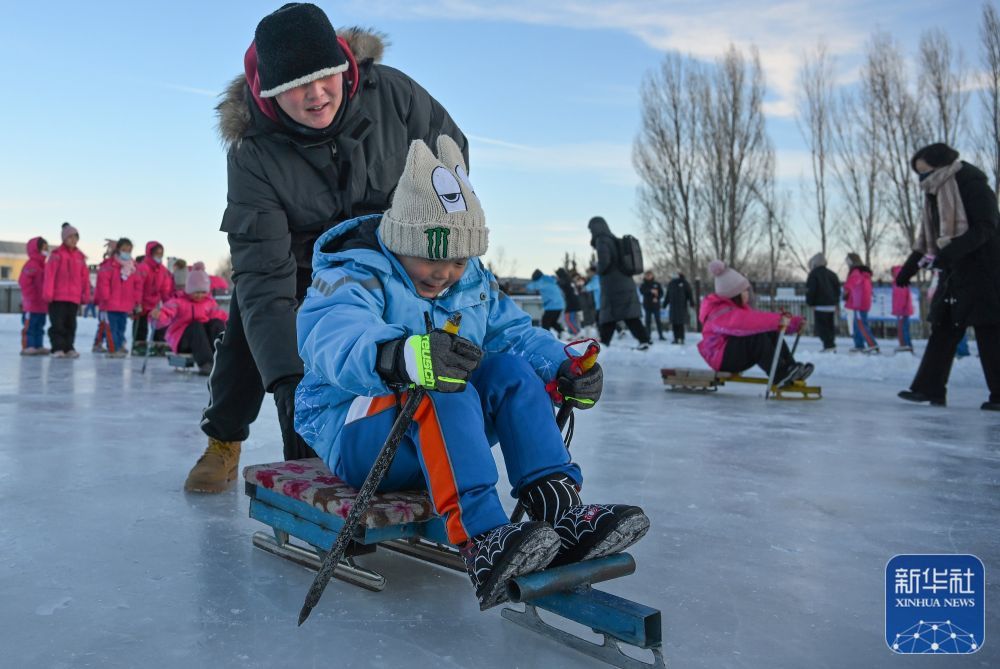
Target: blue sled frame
<point>565,591</point>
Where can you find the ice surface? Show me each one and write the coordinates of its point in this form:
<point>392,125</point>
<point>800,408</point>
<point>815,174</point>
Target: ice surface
<point>772,524</point>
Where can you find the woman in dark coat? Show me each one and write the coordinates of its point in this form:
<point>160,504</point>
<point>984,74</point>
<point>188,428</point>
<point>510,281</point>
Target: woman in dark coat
<point>959,237</point>
<point>679,298</point>
<point>619,299</point>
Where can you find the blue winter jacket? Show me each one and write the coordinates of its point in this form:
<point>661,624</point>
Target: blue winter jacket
<point>552,295</point>
<point>594,286</point>
<point>361,297</point>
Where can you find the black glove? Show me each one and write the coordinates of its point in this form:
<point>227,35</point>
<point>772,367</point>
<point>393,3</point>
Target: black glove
<point>909,269</point>
<point>437,361</point>
<point>284,399</point>
<point>580,392</point>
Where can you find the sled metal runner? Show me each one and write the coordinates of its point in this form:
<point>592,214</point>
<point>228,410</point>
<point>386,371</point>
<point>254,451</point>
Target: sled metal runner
<point>562,591</point>
<point>707,380</point>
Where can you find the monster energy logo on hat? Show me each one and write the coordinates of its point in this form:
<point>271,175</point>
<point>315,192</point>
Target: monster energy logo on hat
<point>437,242</point>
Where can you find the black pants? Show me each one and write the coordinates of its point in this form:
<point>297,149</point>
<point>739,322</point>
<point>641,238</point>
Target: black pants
<point>678,332</point>
<point>935,366</point>
<point>635,326</point>
<point>197,340</point>
<point>235,390</point>
<point>550,321</point>
<point>140,330</point>
<point>825,328</point>
<point>62,328</point>
<point>653,314</point>
<point>742,353</point>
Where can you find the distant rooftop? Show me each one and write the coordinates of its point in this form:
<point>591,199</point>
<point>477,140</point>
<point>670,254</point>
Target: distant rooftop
<point>15,248</point>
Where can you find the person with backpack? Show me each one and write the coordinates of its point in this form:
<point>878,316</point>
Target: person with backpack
<point>823,294</point>
<point>619,298</point>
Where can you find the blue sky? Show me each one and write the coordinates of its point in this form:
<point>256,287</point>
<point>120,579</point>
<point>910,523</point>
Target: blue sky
<point>108,119</point>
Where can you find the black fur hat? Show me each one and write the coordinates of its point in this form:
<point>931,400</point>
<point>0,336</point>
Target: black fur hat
<point>536,275</point>
<point>296,45</point>
<point>935,155</point>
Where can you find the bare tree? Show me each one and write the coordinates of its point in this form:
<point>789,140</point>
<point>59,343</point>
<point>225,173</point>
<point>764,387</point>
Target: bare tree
<point>989,93</point>
<point>499,264</point>
<point>858,169</point>
<point>942,86</point>
<point>738,154</point>
<point>887,98</point>
<point>667,159</point>
<point>815,101</point>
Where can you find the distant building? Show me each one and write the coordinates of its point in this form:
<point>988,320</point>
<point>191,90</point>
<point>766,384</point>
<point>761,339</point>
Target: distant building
<point>13,256</point>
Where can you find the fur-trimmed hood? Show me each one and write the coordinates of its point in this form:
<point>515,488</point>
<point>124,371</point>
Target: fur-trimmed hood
<point>234,115</point>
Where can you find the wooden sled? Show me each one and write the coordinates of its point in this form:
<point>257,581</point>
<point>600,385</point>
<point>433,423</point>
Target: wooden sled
<point>303,500</point>
<point>707,380</point>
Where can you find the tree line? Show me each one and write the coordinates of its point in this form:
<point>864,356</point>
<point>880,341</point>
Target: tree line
<point>707,164</point>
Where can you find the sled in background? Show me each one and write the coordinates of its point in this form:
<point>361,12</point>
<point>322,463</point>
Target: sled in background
<point>302,499</point>
<point>707,380</point>
<point>181,361</point>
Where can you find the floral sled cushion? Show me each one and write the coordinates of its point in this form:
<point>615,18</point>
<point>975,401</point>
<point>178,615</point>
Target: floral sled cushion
<point>311,482</point>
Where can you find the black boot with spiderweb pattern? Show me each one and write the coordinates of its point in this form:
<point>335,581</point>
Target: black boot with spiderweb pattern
<point>493,558</point>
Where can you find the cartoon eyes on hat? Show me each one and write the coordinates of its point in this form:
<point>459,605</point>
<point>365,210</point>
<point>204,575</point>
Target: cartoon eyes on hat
<point>448,190</point>
<point>464,176</point>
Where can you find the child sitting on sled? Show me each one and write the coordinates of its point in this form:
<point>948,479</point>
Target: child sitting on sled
<point>370,326</point>
<point>193,319</point>
<point>735,337</point>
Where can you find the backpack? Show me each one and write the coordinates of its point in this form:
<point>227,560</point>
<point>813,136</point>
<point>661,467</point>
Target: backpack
<point>629,255</point>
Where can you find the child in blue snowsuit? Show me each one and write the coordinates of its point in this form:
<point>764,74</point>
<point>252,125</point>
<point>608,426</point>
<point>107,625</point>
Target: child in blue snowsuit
<point>553,301</point>
<point>378,281</point>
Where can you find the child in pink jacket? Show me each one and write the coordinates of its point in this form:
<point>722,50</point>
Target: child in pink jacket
<point>858,298</point>
<point>33,305</point>
<point>193,319</point>
<point>66,287</point>
<point>735,337</point>
<point>157,287</point>
<point>117,295</point>
<point>902,309</point>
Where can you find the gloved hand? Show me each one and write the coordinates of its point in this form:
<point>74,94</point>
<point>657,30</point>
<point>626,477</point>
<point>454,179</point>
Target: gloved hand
<point>580,392</point>
<point>294,446</point>
<point>437,361</point>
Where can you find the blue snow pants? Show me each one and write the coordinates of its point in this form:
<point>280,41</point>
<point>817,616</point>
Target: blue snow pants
<point>447,452</point>
<point>33,333</point>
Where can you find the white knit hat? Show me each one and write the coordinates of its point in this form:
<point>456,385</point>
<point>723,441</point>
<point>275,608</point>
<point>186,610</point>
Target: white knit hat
<point>728,282</point>
<point>435,214</point>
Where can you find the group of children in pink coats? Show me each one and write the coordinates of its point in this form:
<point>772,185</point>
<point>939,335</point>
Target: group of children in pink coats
<point>55,283</point>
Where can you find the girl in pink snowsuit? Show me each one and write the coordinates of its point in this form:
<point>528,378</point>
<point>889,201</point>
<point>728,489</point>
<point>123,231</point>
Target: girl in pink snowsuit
<point>858,298</point>
<point>193,319</point>
<point>117,294</point>
<point>902,309</point>
<point>735,337</point>
<point>33,305</point>
<point>157,287</point>
<point>66,287</point>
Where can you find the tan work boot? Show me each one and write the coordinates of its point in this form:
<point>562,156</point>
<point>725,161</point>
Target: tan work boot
<point>216,468</point>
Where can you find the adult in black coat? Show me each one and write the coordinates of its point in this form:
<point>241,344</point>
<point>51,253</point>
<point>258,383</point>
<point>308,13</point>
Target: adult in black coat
<point>619,299</point>
<point>652,301</point>
<point>571,317</point>
<point>679,298</point>
<point>823,295</point>
<point>317,132</point>
<point>960,238</point>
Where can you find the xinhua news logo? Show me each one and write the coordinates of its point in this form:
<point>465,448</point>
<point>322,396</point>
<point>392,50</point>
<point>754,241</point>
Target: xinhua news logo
<point>935,604</point>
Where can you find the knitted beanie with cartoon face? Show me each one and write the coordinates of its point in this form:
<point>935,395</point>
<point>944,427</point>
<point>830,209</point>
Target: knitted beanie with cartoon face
<point>435,213</point>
